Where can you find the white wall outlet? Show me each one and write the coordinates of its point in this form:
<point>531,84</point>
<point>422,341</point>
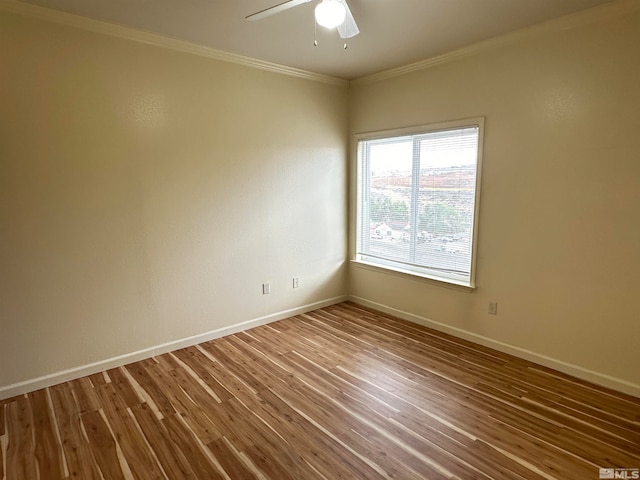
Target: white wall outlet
<point>493,308</point>
<point>296,282</point>
<point>266,288</point>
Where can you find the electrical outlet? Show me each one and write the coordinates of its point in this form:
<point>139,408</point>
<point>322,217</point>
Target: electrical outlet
<point>493,308</point>
<point>296,282</point>
<point>266,288</point>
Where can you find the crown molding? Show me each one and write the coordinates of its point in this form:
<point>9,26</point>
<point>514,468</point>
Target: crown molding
<point>567,22</point>
<point>128,33</point>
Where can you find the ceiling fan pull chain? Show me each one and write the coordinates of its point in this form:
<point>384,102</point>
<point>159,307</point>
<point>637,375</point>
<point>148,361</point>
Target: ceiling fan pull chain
<point>315,33</point>
<point>346,26</point>
<point>346,30</point>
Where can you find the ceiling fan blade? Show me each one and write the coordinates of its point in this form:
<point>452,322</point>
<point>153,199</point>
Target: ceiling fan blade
<point>281,7</point>
<point>348,28</point>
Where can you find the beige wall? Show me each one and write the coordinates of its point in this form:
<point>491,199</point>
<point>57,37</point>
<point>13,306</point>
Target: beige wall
<point>146,194</point>
<point>559,240</point>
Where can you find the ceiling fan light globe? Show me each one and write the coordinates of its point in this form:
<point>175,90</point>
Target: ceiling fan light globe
<point>330,13</point>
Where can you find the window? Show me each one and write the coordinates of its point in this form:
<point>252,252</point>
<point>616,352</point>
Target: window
<point>417,200</point>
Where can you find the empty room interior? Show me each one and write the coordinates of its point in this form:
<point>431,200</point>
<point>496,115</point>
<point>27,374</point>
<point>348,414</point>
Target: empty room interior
<point>243,240</point>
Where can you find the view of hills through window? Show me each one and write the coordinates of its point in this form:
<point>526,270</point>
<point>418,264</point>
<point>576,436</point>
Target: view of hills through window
<point>417,200</point>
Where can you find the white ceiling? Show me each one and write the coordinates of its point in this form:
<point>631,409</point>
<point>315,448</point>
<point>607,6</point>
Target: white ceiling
<point>393,33</point>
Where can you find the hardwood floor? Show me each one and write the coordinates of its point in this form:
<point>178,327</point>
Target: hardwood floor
<point>339,393</point>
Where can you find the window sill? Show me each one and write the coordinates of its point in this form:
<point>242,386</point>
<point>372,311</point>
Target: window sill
<point>437,281</point>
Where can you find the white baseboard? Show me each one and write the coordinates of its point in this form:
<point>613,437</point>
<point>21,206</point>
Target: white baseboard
<point>84,370</point>
<point>564,367</point>
<point>77,372</point>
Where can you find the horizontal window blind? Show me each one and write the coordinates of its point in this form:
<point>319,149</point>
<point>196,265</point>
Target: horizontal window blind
<point>417,202</point>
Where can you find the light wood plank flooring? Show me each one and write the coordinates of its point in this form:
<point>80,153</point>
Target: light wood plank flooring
<point>339,393</point>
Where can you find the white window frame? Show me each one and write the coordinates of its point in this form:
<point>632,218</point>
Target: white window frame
<point>395,267</point>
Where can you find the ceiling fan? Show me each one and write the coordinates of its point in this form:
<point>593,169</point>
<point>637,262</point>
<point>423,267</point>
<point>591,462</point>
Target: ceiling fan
<point>328,13</point>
